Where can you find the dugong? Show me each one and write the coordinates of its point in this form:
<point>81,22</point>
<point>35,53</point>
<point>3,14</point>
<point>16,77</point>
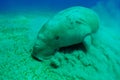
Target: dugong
<point>68,27</point>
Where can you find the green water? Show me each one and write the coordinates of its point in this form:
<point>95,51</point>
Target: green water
<point>17,37</point>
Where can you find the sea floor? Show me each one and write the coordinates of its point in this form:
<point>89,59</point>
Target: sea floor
<point>17,37</point>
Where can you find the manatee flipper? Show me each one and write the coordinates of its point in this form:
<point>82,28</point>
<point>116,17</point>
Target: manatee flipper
<point>87,41</point>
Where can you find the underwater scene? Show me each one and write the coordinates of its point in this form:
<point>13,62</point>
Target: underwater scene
<point>59,39</point>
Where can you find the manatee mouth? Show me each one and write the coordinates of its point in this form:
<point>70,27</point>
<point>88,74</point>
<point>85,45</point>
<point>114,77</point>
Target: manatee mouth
<point>34,57</point>
<point>34,54</point>
<point>71,48</point>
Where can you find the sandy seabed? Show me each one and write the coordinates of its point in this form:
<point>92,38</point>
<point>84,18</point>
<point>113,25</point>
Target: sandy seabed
<point>17,37</point>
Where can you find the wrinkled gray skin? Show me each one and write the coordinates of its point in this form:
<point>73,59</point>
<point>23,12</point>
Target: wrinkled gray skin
<point>68,27</point>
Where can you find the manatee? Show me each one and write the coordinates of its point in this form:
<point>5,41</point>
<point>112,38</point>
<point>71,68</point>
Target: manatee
<point>68,27</point>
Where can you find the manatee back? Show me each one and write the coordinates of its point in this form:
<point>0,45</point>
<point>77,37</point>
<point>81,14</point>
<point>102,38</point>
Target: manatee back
<point>76,15</point>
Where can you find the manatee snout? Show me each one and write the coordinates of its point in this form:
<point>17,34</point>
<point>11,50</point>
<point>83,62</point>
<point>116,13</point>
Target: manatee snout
<point>42,51</point>
<point>42,54</point>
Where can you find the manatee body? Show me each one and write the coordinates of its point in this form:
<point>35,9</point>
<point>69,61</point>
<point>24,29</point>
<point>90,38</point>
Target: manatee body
<point>66,28</point>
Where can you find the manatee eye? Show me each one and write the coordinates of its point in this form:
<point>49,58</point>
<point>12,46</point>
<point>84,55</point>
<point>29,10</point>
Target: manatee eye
<point>57,37</point>
<point>77,22</point>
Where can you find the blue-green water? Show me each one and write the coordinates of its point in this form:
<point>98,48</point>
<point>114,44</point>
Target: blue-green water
<point>43,4</point>
<point>20,22</point>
